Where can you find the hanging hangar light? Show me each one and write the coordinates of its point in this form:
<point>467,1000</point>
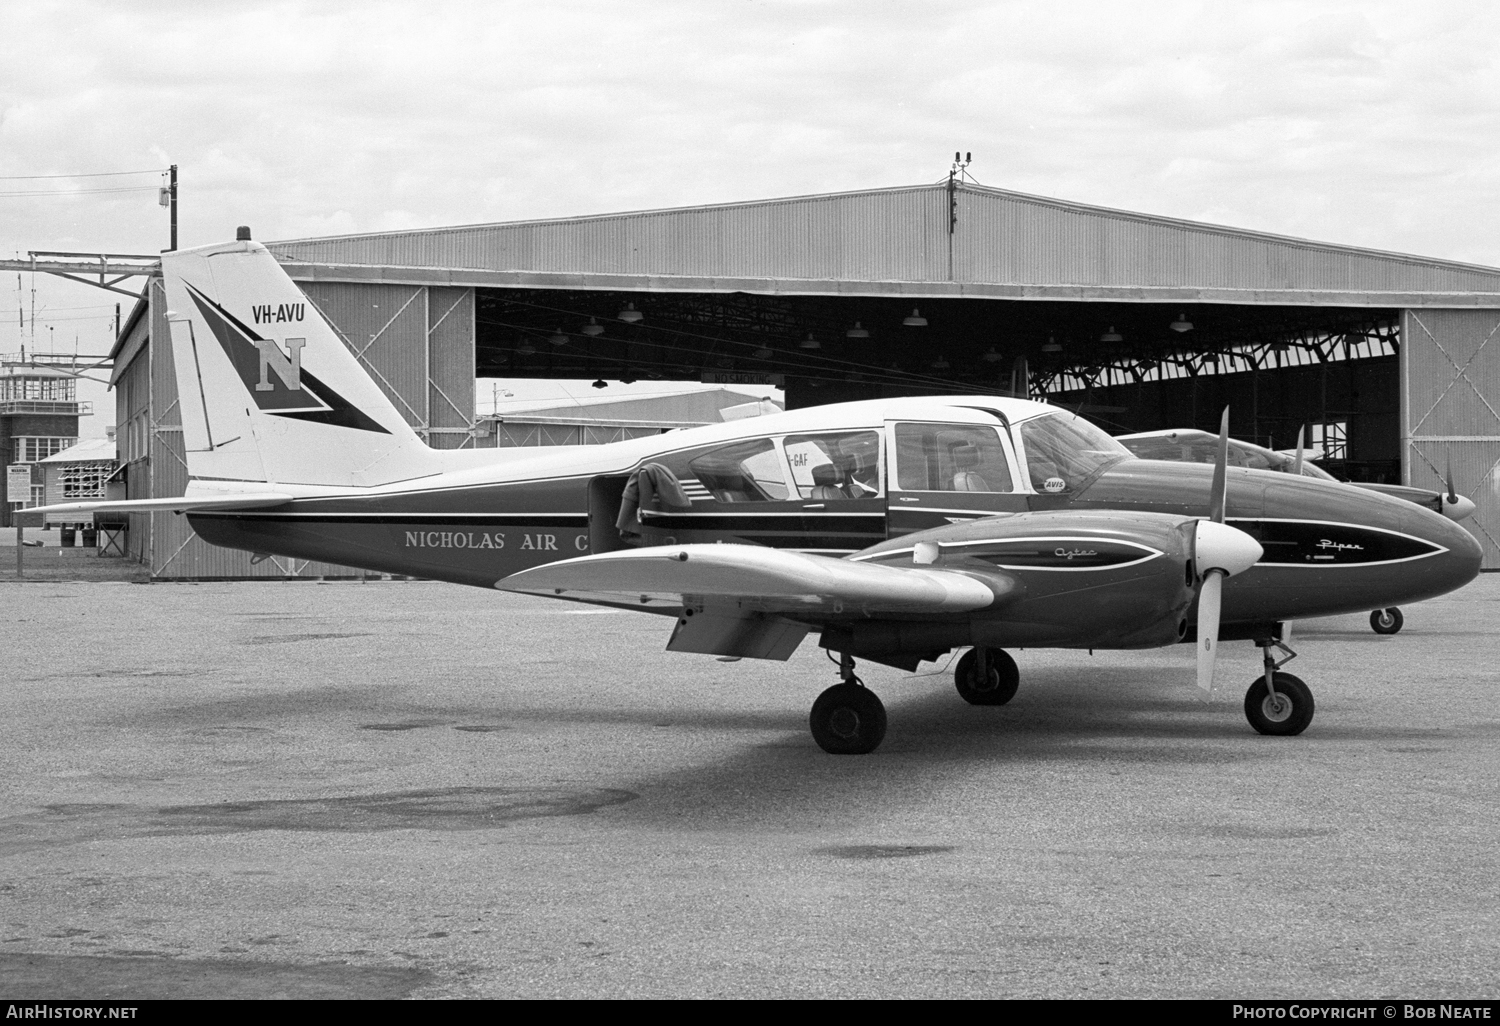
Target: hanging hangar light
<point>1181,323</point>
<point>593,327</point>
<point>809,342</point>
<point>858,331</point>
<point>992,356</point>
<point>1051,346</point>
<point>1111,335</point>
<point>630,315</point>
<point>557,338</point>
<point>916,320</point>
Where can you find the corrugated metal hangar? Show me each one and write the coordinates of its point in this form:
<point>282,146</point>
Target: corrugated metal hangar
<point>1142,322</point>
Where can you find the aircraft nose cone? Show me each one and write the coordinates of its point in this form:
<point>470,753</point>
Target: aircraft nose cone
<point>1221,547</point>
<point>1461,563</point>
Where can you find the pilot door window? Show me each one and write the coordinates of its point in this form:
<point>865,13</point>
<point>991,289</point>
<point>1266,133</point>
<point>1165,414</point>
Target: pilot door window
<point>950,458</point>
<point>1064,453</point>
<point>838,466</point>
<point>746,472</point>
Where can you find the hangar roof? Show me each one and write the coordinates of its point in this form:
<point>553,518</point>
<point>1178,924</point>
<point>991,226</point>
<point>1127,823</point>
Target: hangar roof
<point>917,241</point>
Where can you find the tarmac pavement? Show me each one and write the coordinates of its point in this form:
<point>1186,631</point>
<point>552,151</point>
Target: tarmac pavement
<point>413,789</point>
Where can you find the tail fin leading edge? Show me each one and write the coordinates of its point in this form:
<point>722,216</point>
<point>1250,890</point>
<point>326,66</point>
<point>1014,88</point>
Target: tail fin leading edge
<point>268,390</point>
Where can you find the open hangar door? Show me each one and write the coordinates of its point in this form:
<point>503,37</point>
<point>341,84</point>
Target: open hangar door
<point>1128,366</point>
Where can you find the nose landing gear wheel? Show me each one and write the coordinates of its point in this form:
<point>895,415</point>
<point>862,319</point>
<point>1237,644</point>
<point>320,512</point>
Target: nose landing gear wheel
<point>995,686</point>
<point>1386,621</point>
<point>848,719</point>
<point>1286,713</point>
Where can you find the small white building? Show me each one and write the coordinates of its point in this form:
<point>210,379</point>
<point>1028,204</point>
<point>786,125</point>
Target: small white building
<point>78,473</point>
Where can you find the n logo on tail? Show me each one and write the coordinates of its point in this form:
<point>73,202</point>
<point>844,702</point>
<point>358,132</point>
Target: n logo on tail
<point>275,378</point>
<point>288,366</point>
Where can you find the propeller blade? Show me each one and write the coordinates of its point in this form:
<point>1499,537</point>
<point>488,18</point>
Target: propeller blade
<point>1452,492</point>
<point>1210,595</point>
<point>1297,466</point>
<point>1219,551</point>
<point>1216,497</point>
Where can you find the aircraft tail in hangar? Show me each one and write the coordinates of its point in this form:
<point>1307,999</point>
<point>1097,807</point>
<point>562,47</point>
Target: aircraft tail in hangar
<point>268,391</point>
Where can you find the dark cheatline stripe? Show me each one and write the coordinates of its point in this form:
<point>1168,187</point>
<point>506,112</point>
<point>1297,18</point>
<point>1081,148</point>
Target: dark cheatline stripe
<point>424,520</point>
<point>859,523</point>
<point>834,543</point>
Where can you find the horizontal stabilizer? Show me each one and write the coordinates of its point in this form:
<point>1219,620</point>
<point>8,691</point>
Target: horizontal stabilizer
<point>178,504</point>
<point>773,579</point>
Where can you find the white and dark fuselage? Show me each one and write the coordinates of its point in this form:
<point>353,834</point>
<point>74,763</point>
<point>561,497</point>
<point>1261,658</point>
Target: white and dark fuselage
<point>892,471</point>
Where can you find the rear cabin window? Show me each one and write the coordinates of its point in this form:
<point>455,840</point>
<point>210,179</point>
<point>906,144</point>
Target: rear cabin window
<point>950,458</point>
<point>743,472</point>
<point>845,465</point>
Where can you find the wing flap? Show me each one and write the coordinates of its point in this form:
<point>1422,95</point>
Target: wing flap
<point>773,579</point>
<point>727,631</point>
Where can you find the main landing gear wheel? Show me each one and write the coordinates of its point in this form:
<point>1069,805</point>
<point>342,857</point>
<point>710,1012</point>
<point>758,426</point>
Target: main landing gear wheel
<point>994,684</point>
<point>1285,713</point>
<point>848,719</point>
<point>1386,621</point>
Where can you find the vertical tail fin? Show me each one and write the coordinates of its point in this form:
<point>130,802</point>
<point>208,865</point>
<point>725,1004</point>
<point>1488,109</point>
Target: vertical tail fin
<point>268,391</point>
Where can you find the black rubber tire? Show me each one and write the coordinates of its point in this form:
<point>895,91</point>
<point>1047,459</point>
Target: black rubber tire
<point>1004,678</point>
<point>848,719</point>
<point>1287,721</point>
<point>1386,621</point>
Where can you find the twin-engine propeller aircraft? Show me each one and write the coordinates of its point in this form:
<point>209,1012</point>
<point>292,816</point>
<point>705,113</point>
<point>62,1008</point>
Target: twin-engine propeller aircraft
<point>894,530</point>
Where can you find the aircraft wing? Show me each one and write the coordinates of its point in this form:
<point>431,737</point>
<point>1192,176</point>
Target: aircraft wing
<point>751,601</point>
<point>767,578</point>
<point>178,504</point>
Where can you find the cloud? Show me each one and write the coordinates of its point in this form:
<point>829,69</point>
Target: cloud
<point>1370,123</point>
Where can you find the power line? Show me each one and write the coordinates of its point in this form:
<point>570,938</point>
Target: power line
<point>78,192</point>
<point>95,174</point>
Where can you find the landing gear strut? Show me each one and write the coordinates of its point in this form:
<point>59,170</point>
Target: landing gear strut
<point>986,676</point>
<point>848,718</point>
<point>1278,703</point>
<point>1386,621</point>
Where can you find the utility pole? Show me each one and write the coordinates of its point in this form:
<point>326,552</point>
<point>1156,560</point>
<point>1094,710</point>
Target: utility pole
<point>172,198</point>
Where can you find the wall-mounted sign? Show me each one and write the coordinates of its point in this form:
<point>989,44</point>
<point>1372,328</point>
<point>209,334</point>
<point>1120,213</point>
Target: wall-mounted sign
<point>742,378</point>
<point>18,483</point>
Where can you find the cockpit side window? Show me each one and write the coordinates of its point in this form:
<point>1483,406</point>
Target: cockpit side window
<point>744,472</point>
<point>1064,452</point>
<point>950,458</point>
<point>845,465</point>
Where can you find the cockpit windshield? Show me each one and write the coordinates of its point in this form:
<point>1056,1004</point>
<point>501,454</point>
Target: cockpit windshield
<point>1064,452</point>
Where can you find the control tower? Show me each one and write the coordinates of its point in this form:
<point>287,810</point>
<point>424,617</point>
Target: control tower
<point>39,411</point>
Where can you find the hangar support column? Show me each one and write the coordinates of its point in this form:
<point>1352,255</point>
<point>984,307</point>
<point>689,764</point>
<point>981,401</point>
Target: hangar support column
<point>1450,411</point>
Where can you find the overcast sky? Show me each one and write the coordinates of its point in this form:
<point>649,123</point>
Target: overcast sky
<point>1368,123</point>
